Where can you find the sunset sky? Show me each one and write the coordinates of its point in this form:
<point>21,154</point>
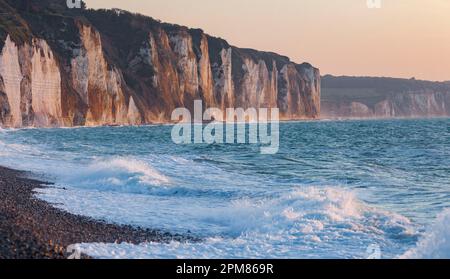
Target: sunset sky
<point>404,38</point>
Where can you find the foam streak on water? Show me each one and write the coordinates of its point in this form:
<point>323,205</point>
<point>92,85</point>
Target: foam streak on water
<point>334,189</point>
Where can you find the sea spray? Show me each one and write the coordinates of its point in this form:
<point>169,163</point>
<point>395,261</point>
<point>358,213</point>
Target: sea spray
<point>435,244</point>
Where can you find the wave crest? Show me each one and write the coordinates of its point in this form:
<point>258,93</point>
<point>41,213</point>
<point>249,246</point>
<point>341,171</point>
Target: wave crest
<point>116,174</point>
<point>436,242</point>
<point>295,225</point>
<point>310,212</point>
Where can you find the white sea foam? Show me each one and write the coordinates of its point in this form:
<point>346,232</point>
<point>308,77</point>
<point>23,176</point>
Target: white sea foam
<point>436,242</point>
<point>118,172</point>
<point>15,150</point>
<point>299,224</point>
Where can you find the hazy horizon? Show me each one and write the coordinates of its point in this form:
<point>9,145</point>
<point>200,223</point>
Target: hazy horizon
<point>403,38</point>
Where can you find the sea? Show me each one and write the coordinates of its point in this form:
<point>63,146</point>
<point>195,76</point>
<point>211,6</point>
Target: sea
<point>350,189</point>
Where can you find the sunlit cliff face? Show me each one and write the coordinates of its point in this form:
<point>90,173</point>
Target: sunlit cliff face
<point>104,77</point>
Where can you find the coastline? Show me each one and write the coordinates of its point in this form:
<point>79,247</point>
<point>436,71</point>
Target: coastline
<point>305,120</point>
<point>33,229</point>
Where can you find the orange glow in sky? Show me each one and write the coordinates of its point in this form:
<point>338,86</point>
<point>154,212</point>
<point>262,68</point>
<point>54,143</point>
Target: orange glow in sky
<point>403,38</point>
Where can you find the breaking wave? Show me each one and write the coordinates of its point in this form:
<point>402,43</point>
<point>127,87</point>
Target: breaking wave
<point>435,244</point>
<point>299,224</point>
<point>117,174</point>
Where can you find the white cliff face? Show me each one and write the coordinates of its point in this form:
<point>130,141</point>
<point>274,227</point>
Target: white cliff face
<point>94,81</point>
<point>96,64</point>
<point>45,86</point>
<point>187,65</point>
<point>299,92</point>
<point>313,80</point>
<point>166,74</point>
<point>224,80</point>
<point>119,106</point>
<point>360,110</point>
<point>153,59</point>
<point>252,86</point>
<point>258,88</point>
<point>206,76</point>
<point>80,74</point>
<point>32,83</point>
<point>384,110</point>
<point>274,87</point>
<point>284,99</point>
<point>433,104</point>
<point>397,105</point>
<point>99,87</point>
<point>423,103</point>
<point>12,77</point>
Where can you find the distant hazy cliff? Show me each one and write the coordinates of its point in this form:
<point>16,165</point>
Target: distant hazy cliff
<point>67,67</point>
<point>367,97</point>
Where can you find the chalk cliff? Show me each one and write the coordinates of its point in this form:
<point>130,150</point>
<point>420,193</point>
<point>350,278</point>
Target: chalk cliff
<point>370,97</point>
<point>76,67</point>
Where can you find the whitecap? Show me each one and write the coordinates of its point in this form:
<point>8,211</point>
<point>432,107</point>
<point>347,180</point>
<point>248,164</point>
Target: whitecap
<point>309,222</point>
<point>435,244</point>
<point>122,174</point>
